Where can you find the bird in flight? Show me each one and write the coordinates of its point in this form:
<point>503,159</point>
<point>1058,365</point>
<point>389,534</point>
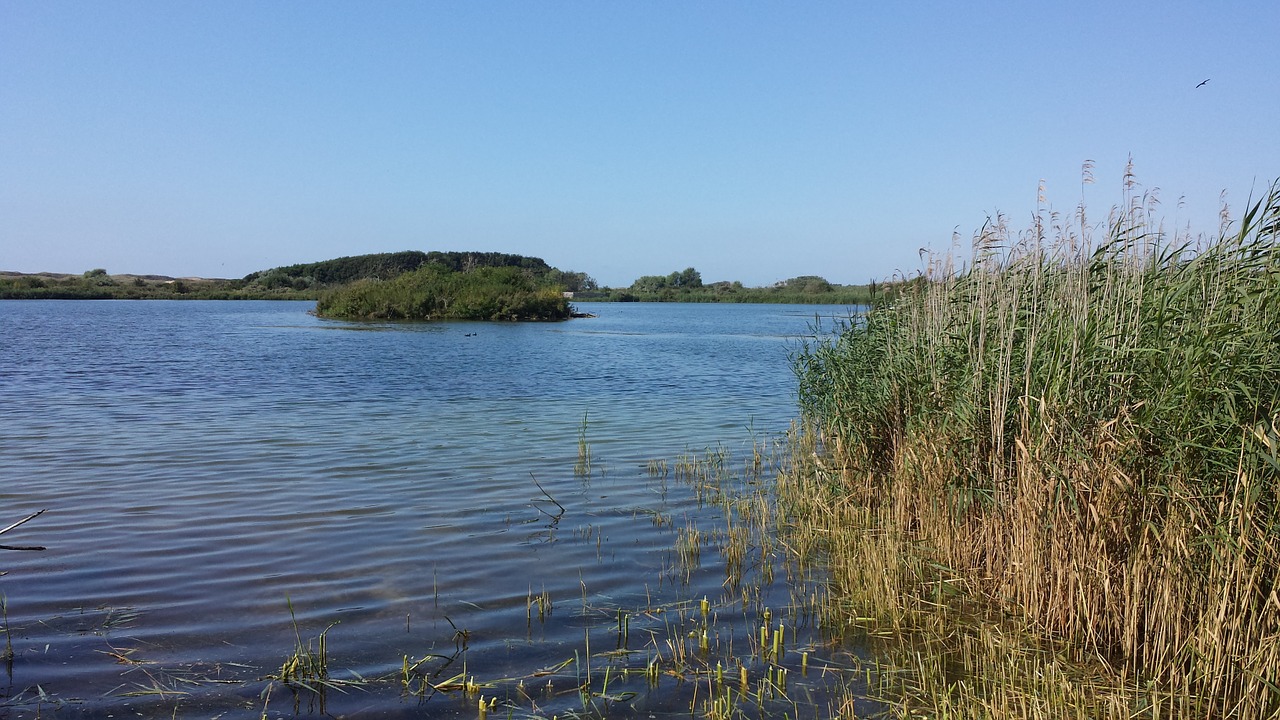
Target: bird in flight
<point>1203,83</point>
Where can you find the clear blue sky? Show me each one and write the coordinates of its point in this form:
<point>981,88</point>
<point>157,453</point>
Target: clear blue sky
<point>754,141</point>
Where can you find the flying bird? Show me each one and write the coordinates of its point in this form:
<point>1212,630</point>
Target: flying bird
<point>1203,83</point>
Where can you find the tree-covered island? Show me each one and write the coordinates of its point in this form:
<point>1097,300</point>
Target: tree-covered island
<point>437,292</point>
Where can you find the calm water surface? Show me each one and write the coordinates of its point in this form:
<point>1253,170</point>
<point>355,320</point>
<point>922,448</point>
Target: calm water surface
<point>207,465</point>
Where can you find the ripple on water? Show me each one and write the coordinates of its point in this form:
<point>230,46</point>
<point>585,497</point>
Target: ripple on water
<point>208,466</point>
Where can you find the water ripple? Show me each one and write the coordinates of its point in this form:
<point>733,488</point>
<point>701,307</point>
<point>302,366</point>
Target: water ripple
<point>209,466</point>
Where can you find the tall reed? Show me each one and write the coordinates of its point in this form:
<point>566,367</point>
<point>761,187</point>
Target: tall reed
<point>7,655</point>
<point>1080,435</point>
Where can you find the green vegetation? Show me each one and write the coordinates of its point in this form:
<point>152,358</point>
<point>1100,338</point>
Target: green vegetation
<point>687,286</point>
<point>1051,476</point>
<point>98,285</point>
<point>293,282</point>
<point>687,279</point>
<point>7,655</point>
<point>338,271</point>
<point>435,292</point>
<point>309,281</point>
<point>320,276</point>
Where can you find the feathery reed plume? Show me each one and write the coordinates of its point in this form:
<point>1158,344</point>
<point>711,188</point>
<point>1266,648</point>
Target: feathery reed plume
<point>1081,438</point>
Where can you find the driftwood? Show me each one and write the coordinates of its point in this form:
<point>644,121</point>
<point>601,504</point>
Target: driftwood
<point>554,518</point>
<point>28,518</point>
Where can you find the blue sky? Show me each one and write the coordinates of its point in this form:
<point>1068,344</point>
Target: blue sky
<point>755,141</point>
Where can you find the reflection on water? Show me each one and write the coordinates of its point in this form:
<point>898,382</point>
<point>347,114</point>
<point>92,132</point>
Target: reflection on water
<point>226,479</point>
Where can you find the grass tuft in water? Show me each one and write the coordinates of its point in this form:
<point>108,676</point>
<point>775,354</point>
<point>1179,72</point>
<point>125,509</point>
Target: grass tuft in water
<point>308,667</point>
<point>7,655</point>
<point>582,468</point>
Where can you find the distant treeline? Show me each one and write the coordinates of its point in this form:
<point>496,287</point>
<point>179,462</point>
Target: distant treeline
<point>311,281</point>
<point>98,285</point>
<point>687,286</point>
<point>306,281</point>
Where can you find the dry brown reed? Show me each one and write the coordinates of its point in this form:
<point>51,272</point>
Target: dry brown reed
<point>1053,472</point>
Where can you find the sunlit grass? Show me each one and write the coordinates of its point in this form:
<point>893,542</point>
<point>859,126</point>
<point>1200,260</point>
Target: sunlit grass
<point>1050,474</point>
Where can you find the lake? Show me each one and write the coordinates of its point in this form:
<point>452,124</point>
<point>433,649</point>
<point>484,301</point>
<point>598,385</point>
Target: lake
<point>227,480</point>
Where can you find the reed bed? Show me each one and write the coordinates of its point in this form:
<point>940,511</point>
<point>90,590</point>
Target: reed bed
<point>1049,473</point>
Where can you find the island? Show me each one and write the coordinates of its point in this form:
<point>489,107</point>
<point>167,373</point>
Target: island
<point>437,292</point>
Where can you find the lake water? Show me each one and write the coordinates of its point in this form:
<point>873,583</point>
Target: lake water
<point>226,479</point>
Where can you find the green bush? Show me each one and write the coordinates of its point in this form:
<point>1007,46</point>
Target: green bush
<point>435,292</point>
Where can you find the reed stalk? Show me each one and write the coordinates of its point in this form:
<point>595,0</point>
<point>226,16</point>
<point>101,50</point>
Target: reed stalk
<point>7,655</point>
<point>1069,444</point>
<point>582,468</point>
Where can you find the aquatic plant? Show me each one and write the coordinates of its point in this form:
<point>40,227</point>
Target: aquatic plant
<point>307,668</point>
<point>7,655</point>
<point>1055,465</point>
<point>582,468</point>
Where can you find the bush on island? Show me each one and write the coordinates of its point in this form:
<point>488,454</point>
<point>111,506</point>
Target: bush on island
<point>434,292</point>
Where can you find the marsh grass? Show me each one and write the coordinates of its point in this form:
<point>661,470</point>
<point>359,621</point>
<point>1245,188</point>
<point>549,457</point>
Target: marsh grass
<point>542,601</point>
<point>7,655</point>
<point>582,468</point>
<point>1050,474</point>
<point>689,547</point>
<point>307,670</point>
<point>727,657</point>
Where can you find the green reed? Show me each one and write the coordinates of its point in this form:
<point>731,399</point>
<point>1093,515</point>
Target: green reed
<point>1080,436</point>
<point>307,668</point>
<point>582,468</point>
<point>7,655</point>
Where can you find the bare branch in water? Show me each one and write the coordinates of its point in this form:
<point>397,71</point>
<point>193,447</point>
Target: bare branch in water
<point>544,492</point>
<point>32,516</point>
